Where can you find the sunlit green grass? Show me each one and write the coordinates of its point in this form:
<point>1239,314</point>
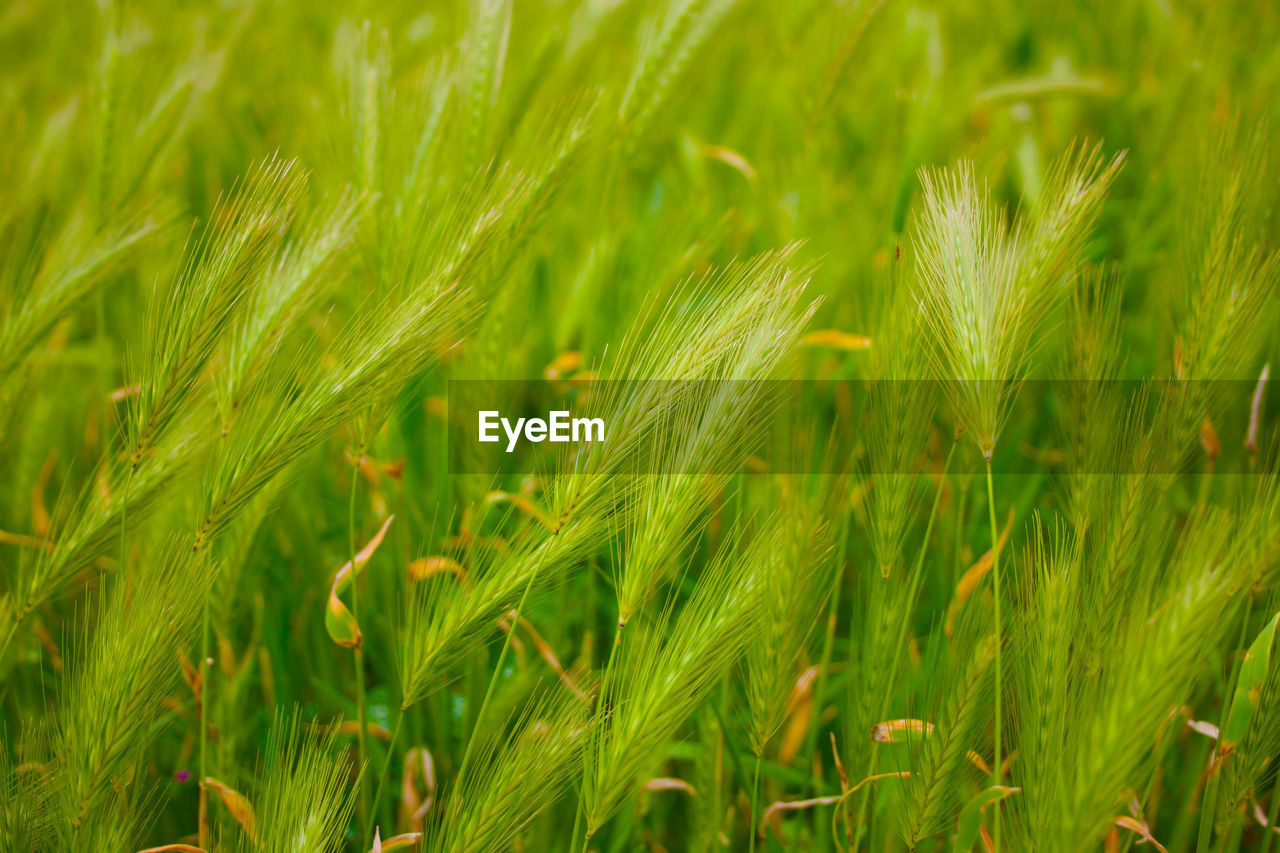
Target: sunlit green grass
<point>249,602</point>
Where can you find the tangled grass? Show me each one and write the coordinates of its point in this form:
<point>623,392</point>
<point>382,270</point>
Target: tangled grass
<point>256,596</point>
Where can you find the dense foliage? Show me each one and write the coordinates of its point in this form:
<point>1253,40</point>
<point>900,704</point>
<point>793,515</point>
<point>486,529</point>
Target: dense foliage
<point>247,602</point>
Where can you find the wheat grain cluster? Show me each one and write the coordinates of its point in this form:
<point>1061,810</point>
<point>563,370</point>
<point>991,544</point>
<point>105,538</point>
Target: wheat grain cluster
<point>926,496</point>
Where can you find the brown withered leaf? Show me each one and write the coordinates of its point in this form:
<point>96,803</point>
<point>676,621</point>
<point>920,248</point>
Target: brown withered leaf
<point>240,807</point>
<point>338,620</point>
<point>351,728</point>
<point>1255,411</point>
<point>428,567</point>
<point>971,578</point>
<point>548,654</point>
<point>1141,828</point>
<point>395,842</point>
<point>900,731</point>
<point>775,810</point>
<point>562,365</point>
<point>522,503</point>
<point>1209,439</point>
<point>837,340</point>
<point>418,764</point>
<point>668,783</point>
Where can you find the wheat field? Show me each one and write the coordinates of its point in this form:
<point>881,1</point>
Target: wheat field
<point>614,425</point>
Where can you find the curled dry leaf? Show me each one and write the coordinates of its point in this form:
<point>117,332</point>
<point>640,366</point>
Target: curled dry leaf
<point>428,567</point>
<point>352,728</point>
<point>374,469</point>
<point>668,783</point>
<point>803,688</point>
<point>548,654</point>
<point>775,810</point>
<point>900,731</point>
<point>124,392</point>
<point>522,503</point>
<point>240,807</point>
<point>799,711</point>
<point>1261,817</point>
<point>1141,828</point>
<point>1209,439</point>
<point>338,620</point>
<point>1255,411</point>
<point>835,756</point>
<point>1209,730</point>
<point>23,541</point>
<point>395,842</point>
<point>50,644</point>
<point>979,762</point>
<point>190,674</point>
<point>730,158</point>
<point>836,339</point>
<point>562,365</point>
<point>970,824</point>
<point>41,520</point>
<point>418,765</point>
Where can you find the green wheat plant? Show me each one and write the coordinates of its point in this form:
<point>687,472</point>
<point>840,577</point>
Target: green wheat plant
<point>266,587</point>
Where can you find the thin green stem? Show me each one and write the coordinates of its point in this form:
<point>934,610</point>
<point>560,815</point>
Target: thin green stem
<point>755,795</point>
<point>1209,805</point>
<point>1269,833</point>
<point>577,823</point>
<point>996,766</point>
<point>1231,838</point>
<point>203,828</point>
<point>917,574</point>
<point>497,671</point>
<point>386,765</point>
<point>1208,809</point>
<point>124,517</point>
<point>828,646</point>
<point>957,564</point>
<point>1189,816</point>
<point>361,719</point>
<point>739,772</point>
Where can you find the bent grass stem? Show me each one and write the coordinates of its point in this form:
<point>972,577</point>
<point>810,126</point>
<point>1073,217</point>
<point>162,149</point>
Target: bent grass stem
<point>755,795</point>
